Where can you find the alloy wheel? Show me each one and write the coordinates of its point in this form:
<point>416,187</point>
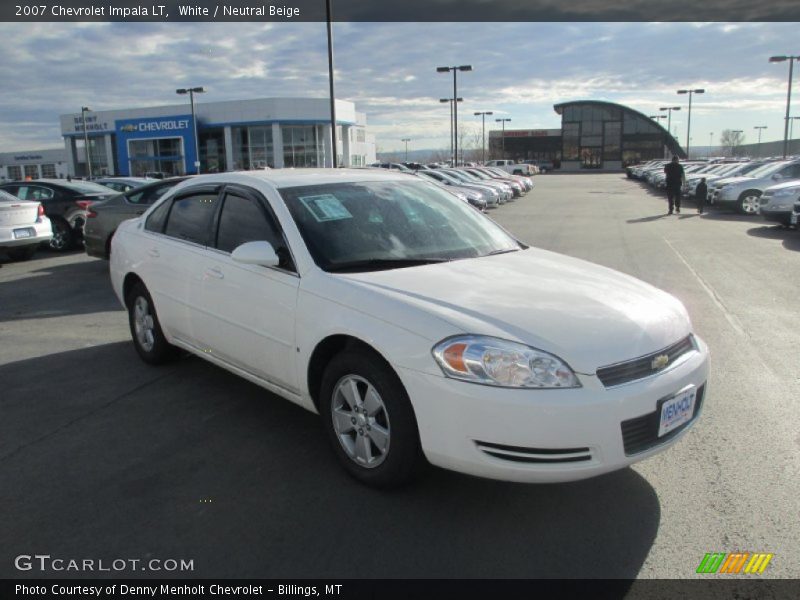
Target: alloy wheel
<point>361,421</point>
<point>143,324</point>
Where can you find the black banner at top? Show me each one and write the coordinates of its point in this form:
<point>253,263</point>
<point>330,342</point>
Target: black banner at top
<point>402,11</point>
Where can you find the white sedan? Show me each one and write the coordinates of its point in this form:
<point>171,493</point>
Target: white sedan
<point>417,327</point>
<point>23,226</point>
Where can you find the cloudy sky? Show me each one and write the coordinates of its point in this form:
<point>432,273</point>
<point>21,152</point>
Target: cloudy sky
<point>388,70</point>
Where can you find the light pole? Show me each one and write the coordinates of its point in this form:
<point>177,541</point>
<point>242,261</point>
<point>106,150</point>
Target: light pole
<point>450,101</point>
<point>84,110</point>
<point>791,59</point>
<point>689,118</point>
<point>503,135</point>
<point>733,138</point>
<point>760,129</point>
<point>669,110</point>
<point>406,140</point>
<point>710,141</point>
<point>455,71</point>
<point>483,133</point>
<point>334,145</point>
<point>192,92</point>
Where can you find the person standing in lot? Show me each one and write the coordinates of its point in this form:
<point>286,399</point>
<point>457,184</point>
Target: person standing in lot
<point>700,194</point>
<point>675,179</point>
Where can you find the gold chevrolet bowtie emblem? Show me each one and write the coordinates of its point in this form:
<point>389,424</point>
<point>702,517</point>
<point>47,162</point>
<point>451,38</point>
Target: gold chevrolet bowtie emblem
<point>659,362</point>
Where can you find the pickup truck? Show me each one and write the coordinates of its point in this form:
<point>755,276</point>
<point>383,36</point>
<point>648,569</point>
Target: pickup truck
<point>513,167</point>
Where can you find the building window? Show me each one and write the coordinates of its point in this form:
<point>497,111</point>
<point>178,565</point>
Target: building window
<point>212,150</point>
<point>163,155</point>
<point>49,171</point>
<point>31,171</point>
<point>361,135</point>
<point>301,147</point>
<point>571,132</point>
<point>253,147</point>
<point>15,173</point>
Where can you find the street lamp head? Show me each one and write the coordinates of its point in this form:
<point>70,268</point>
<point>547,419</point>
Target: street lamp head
<point>443,100</point>
<point>85,109</point>
<point>700,91</point>
<point>181,91</point>
<point>442,69</point>
<point>197,90</point>
<point>465,68</point>
<point>778,58</point>
<point>459,99</point>
<point>683,91</point>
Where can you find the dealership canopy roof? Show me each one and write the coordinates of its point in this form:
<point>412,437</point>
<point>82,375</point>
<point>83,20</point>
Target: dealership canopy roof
<point>672,145</point>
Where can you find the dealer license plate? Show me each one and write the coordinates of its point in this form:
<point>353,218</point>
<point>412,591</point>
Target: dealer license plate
<point>677,410</point>
<point>22,233</point>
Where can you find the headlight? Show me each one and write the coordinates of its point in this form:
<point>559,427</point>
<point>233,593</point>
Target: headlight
<point>492,361</point>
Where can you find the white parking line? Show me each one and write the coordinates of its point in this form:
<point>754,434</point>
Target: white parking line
<point>731,318</point>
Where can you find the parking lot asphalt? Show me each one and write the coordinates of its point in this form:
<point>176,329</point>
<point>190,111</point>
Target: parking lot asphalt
<point>104,457</point>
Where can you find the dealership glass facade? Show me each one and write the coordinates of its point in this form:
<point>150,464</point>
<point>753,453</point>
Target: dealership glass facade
<point>594,135</point>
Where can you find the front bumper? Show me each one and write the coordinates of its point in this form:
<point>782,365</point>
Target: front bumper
<point>777,215</point>
<point>546,435</point>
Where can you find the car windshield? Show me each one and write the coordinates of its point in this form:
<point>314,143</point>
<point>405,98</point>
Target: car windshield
<point>390,224</point>
<point>462,176</point>
<point>766,170</point>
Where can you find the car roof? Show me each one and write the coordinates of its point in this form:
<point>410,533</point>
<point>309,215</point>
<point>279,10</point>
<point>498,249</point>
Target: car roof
<point>286,178</point>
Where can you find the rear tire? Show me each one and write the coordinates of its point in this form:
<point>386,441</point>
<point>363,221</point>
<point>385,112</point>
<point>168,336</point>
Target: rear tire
<point>20,254</point>
<point>62,239</point>
<point>369,420</point>
<point>148,338</point>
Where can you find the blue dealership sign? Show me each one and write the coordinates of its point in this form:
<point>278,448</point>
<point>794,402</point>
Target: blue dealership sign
<point>149,128</point>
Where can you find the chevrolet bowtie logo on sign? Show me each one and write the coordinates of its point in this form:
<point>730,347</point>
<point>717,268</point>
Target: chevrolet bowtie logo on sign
<point>736,562</point>
<point>128,128</point>
<point>659,362</point>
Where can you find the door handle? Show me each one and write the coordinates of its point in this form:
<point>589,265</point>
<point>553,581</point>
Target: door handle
<point>153,252</point>
<point>214,272</point>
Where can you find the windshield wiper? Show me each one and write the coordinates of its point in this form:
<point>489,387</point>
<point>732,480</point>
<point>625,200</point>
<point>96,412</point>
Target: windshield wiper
<point>377,264</point>
<point>503,251</point>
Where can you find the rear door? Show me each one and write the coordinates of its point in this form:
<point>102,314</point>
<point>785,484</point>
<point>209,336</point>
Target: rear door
<point>247,315</point>
<point>174,248</point>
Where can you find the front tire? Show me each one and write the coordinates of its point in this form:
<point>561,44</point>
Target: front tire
<point>749,202</point>
<point>148,338</point>
<point>369,420</point>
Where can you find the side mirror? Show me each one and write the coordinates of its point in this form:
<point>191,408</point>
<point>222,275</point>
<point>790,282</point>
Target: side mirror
<point>256,253</point>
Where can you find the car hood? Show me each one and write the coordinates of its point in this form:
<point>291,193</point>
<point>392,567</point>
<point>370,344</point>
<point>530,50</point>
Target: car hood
<point>733,180</point>
<point>792,183</point>
<point>588,315</point>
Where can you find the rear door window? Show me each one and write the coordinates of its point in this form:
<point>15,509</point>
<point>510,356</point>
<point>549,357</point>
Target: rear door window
<point>190,217</point>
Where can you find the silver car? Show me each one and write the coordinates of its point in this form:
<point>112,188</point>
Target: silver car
<point>744,193</point>
<point>777,202</point>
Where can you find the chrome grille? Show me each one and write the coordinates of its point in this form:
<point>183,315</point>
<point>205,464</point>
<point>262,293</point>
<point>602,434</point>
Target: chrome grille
<point>644,366</point>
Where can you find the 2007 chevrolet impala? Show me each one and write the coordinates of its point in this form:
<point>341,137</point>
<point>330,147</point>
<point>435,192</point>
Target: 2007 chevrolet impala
<point>417,327</point>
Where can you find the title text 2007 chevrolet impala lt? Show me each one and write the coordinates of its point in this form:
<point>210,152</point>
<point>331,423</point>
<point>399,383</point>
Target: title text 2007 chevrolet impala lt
<point>417,327</point>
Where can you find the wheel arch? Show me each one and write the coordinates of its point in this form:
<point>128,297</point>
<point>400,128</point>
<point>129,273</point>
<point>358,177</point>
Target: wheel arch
<point>130,280</point>
<point>324,352</point>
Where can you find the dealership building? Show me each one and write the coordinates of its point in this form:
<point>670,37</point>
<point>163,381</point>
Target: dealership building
<point>593,135</point>
<point>232,135</point>
<point>33,164</point>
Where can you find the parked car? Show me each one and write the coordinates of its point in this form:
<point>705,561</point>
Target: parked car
<point>795,217</point>
<point>488,193</point>
<point>777,202</point>
<point>738,169</point>
<point>123,184</point>
<point>65,203</point>
<point>519,189</point>
<point>103,218</point>
<point>415,325</point>
<point>744,193</point>
<point>23,226</point>
<point>505,191</point>
<point>392,166</point>
<point>474,197</point>
<point>526,181</point>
